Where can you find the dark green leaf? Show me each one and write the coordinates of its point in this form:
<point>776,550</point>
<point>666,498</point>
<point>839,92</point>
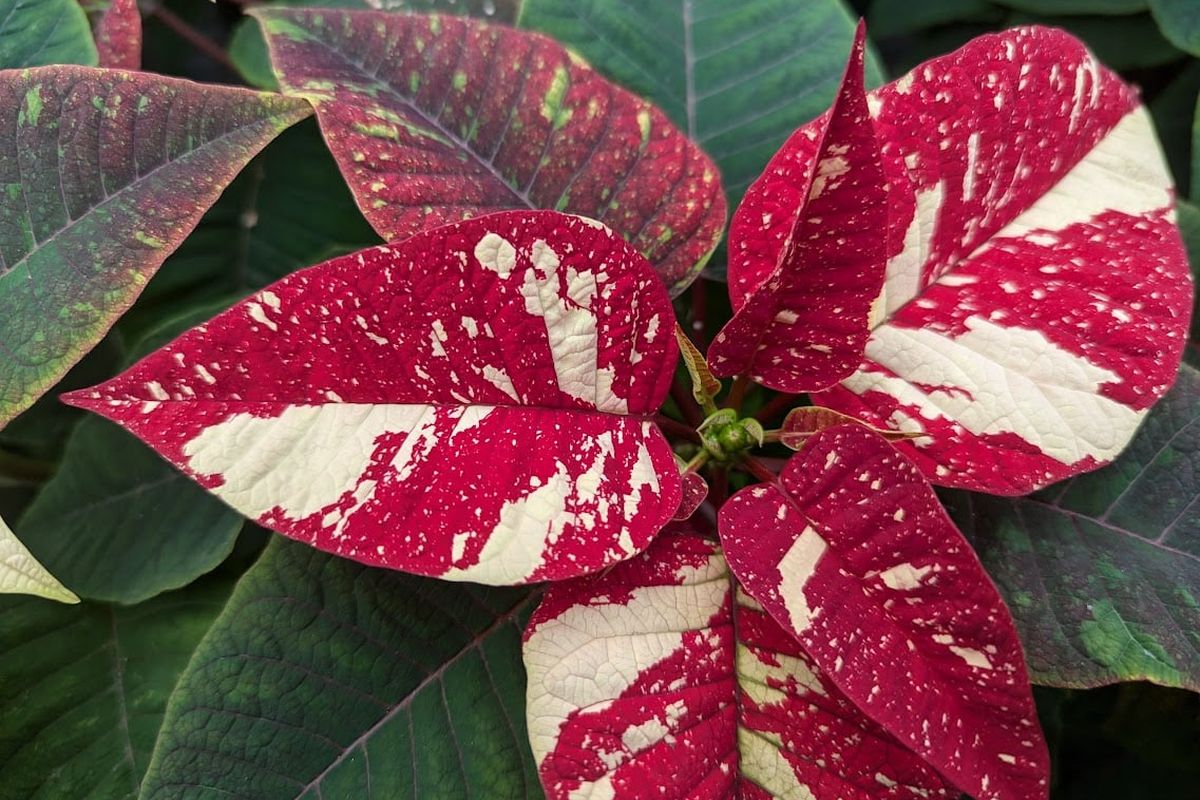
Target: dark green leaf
<point>83,688</point>
<point>1189,226</point>
<point>248,48</point>
<point>34,33</point>
<point>1102,572</point>
<point>737,77</point>
<point>1180,22</point>
<point>1172,109</point>
<point>323,678</point>
<point>1076,6</point>
<point>127,533</point>
<point>894,17</point>
<point>1121,43</point>
<point>288,209</point>
<point>104,173</point>
<point>40,432</point>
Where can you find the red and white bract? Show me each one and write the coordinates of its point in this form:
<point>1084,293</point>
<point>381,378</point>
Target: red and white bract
<point>472,403</point>
<point>695,491</point>
<point>801,423</point>
<point>642,686</point>
<point>805,326</point>
<point>853,554</point>
<point>1037,293</point>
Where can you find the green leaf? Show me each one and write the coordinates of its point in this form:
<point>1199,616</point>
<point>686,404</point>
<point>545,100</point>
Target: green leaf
<point>83,688</point>
<point>1122,43</point>
<point>79,233</point>
<point>324,678</point>
<point>1180,22</point>
<point>1189,225</point>
<point>126,534</point>
<point>1102,572</point>
<point>1076,6</point>
<point>34,33</point>
<point>895,17</point>
<point>1173,108</point>
<point>736,77</point>
<point>40,431</point>
<point>288,209</point>
<point>248,48</point>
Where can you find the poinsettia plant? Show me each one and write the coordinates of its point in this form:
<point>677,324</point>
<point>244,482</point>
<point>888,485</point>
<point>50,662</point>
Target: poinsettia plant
<point>634,580</point>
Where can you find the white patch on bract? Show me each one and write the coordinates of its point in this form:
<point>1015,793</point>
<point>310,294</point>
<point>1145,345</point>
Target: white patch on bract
<point>591,654</point>
<point>1124,172</point>
<point>571,329</point>
<point>902,281</point>
<point>1003,380</point>
<point>644,735</point>
<point>795,568</point>
<point>972,657</point>
<point>256,313</point>
<point>496,253</point>
<point>760,679</point>
<point>497,377</point>
<point>516,546</point>
<point>763,763</point>
<point>904,577</point>
<point>968,190</point>
<point>303,460</point>
<point>826,175</point>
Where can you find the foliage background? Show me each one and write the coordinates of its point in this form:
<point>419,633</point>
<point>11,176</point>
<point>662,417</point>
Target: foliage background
<point>289,208</point>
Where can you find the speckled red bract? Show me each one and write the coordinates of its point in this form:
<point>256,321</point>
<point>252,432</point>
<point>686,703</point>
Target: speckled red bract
<point>852,553</point>
<point>805,326</point>
<point>434,118</point>
<point>472,403</point>
<point>693,692</point>
<point>1037,292</point>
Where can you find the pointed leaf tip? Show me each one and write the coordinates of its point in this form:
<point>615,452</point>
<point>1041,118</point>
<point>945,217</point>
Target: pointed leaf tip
<point>890,600</point>
<point>805,327</point>
<point>471,403</point>
<point>1030,244</point>
<point>20,572</point>
<point>503,118</point>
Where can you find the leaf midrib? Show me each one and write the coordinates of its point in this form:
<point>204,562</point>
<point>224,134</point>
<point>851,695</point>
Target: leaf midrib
<point>476,641</point>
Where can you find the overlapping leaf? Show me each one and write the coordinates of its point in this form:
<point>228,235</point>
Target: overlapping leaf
<point>1102,573</point>
<point>1036,294</point>
<point>662,678</point>
<point>34,33</point>
<point>83,689</point>
<point>805,326</point>
<point>852,553</point>
<point>322,678</point>
<point>433,119</point>
<point>125,535</point>
<point>802,423</point>
<point>117,25</point>
<point>1179,20</point>
<point>106,173</point>
<point>471,403</point>
<point>737,77</point>
<point>248,48</point>
<point>20,572</point>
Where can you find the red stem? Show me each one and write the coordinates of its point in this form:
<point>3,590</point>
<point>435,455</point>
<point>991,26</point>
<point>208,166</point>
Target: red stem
<point>682,395</point>
<point>677,428</point>
<point>758,469</point>
<point>699,298</point>
<point>193,37</point>
<point>776,405</point>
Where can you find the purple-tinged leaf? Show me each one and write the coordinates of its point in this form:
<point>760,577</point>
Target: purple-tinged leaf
<point>472,403</point>
<point>433,119</point>
<point>805,326</point>
<point>1037,294</point>
<point>853,554</point>
<point>106,173</point>
<point>662,680</point>
<point>801,423</point>
<point>118,32</point>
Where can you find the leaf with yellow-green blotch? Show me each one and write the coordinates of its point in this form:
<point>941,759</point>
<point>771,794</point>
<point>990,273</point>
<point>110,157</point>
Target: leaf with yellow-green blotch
<point>20,572</point>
